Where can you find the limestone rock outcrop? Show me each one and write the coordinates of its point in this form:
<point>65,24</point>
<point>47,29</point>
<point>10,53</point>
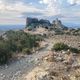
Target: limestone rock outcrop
<point>30,21</point>
<point>57,24</point>
<point>34,22</point>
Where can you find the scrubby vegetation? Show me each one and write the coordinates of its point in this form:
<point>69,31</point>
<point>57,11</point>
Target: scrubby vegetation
<point>27,51</point>
<point>5,52</point>
<point>74,50</point>
<point>59,32</point>
<point>74,32</point>
<point>62,46</point>
<point>17,41</point>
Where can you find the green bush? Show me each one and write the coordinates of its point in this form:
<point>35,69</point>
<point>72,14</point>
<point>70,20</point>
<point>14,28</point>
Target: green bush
<point>60,46</point>
<point>17,41</point>
<point>74,50</point>
<point>20,40</point>
<point>5,53</point>
<point>27,51</point>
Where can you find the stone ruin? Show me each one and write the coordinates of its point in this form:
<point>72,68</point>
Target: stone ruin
<point>32,23</point>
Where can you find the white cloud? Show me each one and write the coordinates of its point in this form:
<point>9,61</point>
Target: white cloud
<point>57,7</point>
<point>16,9</point>
<point>41,2</point>
<point>47,1</point>
<point>44,1</point>
<point>52,7</point>
<point>19,7</point>
<point>74,2</point>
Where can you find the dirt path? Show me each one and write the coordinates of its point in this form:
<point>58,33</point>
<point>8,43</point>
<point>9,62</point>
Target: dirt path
<point>15,70</point>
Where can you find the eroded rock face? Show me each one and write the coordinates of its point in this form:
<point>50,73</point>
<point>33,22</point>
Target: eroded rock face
<point>57,24</point>
<point>34,22</point>
<point>29,21</point>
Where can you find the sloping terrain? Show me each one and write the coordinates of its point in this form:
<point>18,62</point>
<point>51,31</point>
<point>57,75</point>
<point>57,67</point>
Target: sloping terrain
<point>24,67</point>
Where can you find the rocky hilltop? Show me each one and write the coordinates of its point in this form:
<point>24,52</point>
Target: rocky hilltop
<point>35,22</point>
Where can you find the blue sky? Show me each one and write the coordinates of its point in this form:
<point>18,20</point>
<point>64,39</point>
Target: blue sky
<point>16,11</point>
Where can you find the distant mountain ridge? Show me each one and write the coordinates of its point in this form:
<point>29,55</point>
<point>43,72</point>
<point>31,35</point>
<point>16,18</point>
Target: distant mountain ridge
<point>11,27</point>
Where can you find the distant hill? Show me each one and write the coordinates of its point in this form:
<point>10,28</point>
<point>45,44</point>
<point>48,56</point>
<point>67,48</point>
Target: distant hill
<point>11,27</point>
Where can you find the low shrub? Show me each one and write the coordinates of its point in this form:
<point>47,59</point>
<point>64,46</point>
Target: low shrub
<point>17,41</point>
<point>60,46</point>
<point>74,50</point>
<point>27,51</point>
<point>5,53</point>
